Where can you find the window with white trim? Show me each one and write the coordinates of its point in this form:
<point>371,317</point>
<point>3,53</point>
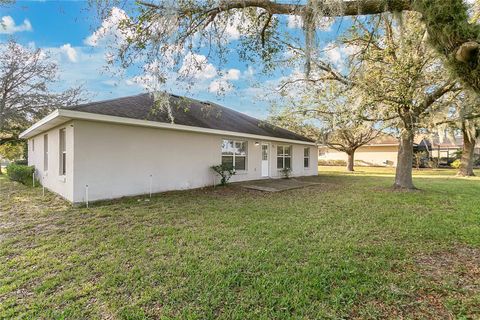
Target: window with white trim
<point>306,157</point>
<point>45,152</point>
<point>234,154</point>
<point>63,152</point>
<point>284,157</point>
<point>33,144</point>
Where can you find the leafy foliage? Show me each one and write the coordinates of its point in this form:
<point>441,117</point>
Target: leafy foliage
<point>11,151</point>
<point>225,172</point>
<point>26,76</point>
<point>456,164</point>
<point>20,173</point>
<point>286,172</point>
<point>452,35</point>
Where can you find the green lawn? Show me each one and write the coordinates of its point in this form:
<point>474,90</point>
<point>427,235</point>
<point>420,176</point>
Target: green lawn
<point>349,247</point>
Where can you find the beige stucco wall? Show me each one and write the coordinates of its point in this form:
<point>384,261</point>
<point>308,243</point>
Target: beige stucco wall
<point>376,155</point>
<point>51,179</point>
<point>117,160</point>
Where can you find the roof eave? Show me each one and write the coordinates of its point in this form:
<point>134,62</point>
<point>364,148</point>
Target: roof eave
<point>44,124</point>
<point>62,115</point>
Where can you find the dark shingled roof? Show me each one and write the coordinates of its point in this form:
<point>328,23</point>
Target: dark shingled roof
<point>187,112</point>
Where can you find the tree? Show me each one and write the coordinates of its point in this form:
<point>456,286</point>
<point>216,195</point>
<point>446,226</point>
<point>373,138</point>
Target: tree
<point>403,80</point>
<point>26,77</point>
<point>160,25</point>
<point>393,78</point>
<point>462,113</point>
<point>325,115</point>
<point>11,151</point>
<point>349,136</point>
<point>470,133</point>
<point>162,29</point>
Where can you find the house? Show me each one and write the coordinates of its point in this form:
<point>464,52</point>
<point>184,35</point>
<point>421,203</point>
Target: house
<point>445,150</point>
<point>129,146</point>
<point>381,151</point>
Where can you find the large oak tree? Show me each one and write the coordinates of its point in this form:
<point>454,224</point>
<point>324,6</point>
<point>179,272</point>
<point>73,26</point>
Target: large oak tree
<point>173,30</point>
<point>27,77</point>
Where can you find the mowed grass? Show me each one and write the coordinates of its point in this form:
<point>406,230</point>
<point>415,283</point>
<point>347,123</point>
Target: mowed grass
<point>349,247</point>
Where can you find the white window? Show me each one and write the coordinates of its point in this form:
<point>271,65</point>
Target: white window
<point>63,152</point>
<point>306,157</point>
<point>234,154</point>
<point>33,144</point>
<point>284,157</point>
<point>45,152</point>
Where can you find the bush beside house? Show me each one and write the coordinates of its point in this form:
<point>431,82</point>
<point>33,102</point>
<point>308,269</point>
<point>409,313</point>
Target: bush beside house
<point>20,173</point>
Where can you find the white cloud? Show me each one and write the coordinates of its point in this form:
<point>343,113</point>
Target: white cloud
<point>220,86</point>
<point>232,74</point>
<point>8,26</point>
<point>333,53</point>
<point>350,50</point>
<point>223,84</point>
<point>249,72</point>
<point>70,52</point>
<point>229,26</point>
<point>295,22</point>
<point>197,66</point>
<point>109,29</point>
<point>323,23</point>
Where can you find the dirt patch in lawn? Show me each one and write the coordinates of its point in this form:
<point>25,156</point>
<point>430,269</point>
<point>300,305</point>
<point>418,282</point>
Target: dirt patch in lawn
<point>449,287</point>
<point>454,279</point>
<point>458,267</point>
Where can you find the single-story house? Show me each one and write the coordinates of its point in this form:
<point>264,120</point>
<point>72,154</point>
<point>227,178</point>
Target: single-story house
<point>445,150</point>
<point>129,146</point>
<point>381,151</point>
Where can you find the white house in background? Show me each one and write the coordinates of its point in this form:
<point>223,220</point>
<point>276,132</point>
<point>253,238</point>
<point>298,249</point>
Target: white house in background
<point>129,146</point>
<point>381,151</point>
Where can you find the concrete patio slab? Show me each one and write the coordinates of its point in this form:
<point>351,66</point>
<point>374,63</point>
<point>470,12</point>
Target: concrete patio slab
<point>276,185</point>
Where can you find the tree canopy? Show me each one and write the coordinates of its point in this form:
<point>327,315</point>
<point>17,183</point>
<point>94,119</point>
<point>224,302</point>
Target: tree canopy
<point>26,77</point>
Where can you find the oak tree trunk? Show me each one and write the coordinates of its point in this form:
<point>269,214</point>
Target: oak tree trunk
<point>403,174</point>
<point>468,152</point>
<point>350,161</point>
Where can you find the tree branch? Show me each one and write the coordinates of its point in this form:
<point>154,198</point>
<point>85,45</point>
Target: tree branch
<point>350,8</point>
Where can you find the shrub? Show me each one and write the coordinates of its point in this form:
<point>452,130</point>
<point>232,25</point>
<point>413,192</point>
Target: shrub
<point>456,164</point>
<point>420,158</point>
<point>286,172</point>
<point>225,172</point>
<point>433,163</point>
<point>332,163</point>
<point>20,173</point>
<point>476,161</point>
<point>21,162</point>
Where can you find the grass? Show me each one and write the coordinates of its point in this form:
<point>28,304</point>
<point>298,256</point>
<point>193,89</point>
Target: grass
<point>348,247</point>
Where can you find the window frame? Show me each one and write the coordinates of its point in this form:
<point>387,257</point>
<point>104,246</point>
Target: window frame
<point>234,156</point>
<point>62,148</point>
<point>33,144</point>
<point>306,157</point>
<point>284,155</point>
<point>45,152</point>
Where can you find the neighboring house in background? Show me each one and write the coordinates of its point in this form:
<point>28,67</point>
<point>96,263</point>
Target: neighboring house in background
<point>126,146</point>
<point>381,151</point>
<point>446,149</point>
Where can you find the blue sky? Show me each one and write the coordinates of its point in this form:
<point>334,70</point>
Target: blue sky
<point>64,28</point>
